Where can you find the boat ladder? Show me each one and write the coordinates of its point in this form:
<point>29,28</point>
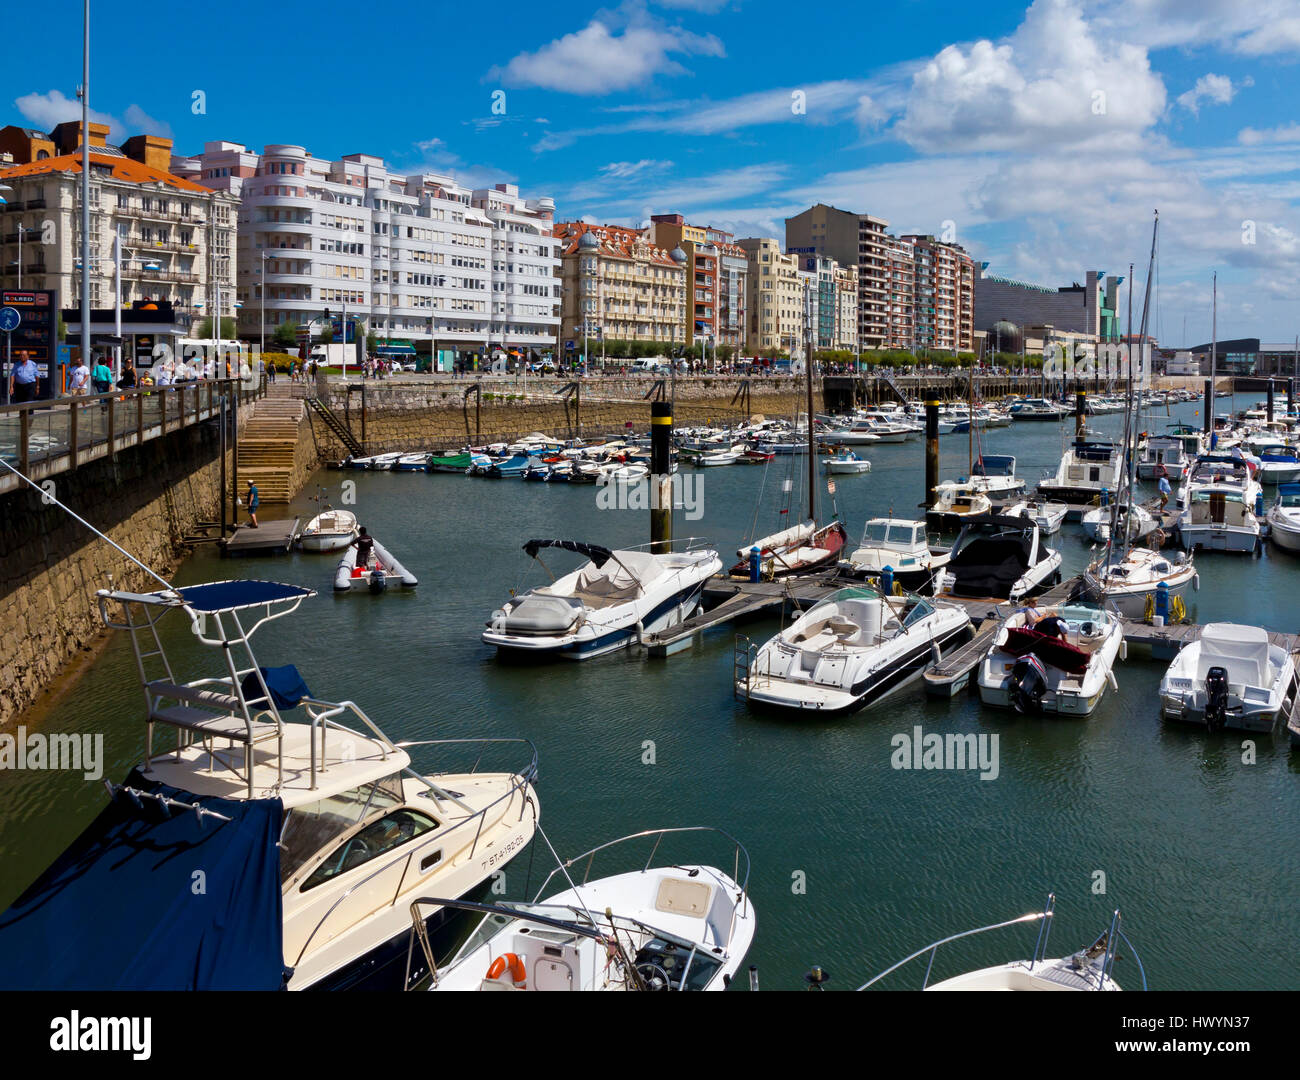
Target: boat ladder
<point>743,652</point>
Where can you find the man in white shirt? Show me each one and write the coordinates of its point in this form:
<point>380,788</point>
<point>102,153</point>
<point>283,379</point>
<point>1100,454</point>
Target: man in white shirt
<point>80,379</point>
<point>162,376</point>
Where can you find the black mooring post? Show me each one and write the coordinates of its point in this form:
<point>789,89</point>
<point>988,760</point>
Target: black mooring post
<point>1080,413</point>
<point>931,448</point>
<point>1209,405</point>
<point>661,469</point>
<point>1270,401</point>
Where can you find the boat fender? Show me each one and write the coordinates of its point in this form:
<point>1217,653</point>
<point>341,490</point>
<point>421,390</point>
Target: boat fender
<point>518,973</point>
<point>1114,683</point>
<point>1123,649</point>
<point>936,654</point>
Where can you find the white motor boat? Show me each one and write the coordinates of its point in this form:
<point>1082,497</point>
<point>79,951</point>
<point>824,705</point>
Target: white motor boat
<point>999,558</point>
<point>1048,516</point>
<point>1130,583</point>
<point>315,833</point>
<point>860,433</point>
<point>330,530</point>
<point>1037,409</point>
<point>846,464</point>
<point>1136,525</point>
<point>995,475</point>
<point>1059,667</point>
<point>901,546</point>
<point>1087,468</point>
<point>1231,676</point>
<point>418,462</point>
<point>679,926</point>
<point>1284,518</point>
<point>1173,451</point>
<point>608,603</point>
<point>1222,506</point>
<point>851,650</point>
<point>956,501</point>
<point>1279,467</point>
<point>1091,968</point>
<point>376,463</point>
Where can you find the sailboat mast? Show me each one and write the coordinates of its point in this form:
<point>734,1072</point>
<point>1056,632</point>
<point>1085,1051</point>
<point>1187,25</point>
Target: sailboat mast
<point>812,446</point>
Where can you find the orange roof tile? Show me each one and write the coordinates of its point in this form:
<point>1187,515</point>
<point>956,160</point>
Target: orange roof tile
<point>615,241</point>
<point>122,168</point>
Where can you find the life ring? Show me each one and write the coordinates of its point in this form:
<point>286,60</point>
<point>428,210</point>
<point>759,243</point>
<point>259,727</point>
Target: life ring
<point>518,973</point>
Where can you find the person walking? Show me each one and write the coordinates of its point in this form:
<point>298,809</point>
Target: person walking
<point>252,499</point>
<point>101,377</point>
<point>23,379</point>
<point>80,379</point>
<point>1163,485</point>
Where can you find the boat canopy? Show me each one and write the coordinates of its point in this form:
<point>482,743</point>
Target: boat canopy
<point>1241,650</point>
<point>995,465</point>
<point>1288,494</point>
<point>120,910</point>
<point>598,555</point>
<point>218,597</point>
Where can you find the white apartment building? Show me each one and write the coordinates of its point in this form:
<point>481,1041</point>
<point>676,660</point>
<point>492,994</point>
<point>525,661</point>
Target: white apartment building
<point>416,258</point>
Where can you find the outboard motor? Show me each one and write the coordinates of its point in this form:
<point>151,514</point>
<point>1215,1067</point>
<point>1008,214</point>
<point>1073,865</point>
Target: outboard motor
<point>378,580</point>
<point>1216,698</point>
<point>1028,684</point>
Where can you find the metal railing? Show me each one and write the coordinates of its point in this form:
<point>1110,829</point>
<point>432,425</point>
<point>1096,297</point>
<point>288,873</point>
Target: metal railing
<point>54,435</point>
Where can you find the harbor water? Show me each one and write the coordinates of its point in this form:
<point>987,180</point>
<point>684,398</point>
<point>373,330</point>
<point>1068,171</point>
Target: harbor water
<point>855,863</point>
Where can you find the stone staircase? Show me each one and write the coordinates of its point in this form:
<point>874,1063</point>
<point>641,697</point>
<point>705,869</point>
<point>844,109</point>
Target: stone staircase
<point>268,442</point>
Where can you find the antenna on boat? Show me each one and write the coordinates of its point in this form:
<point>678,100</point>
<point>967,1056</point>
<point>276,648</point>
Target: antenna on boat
<point>48,497</point>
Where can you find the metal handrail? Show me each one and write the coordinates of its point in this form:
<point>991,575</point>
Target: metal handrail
<point>518,785</point>
<point>659,834</point>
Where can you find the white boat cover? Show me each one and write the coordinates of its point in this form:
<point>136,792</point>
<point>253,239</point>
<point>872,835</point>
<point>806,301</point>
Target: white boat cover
<point>1241,650</point>
<point>624,575</point>
<point>794,535</point>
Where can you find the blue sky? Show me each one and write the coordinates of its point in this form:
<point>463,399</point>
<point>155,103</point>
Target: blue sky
<point>1045,134</point>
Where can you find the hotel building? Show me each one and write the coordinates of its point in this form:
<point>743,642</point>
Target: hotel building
<point>617,284</point>
<point>416,258</point>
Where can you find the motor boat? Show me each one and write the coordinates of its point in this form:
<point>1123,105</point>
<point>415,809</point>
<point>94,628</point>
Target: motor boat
<point>851,650</point>
<point>999,557</point>
<point>1129,583</point>
<point>756,455</point>
<point>313,834</point>
<point>901,546</point>
<point>418,462</point>
<point>1284,518</point>
<point>1087,468</point>
<point>846,464</point>
<point>457,463</point>
<point>1279,467</point>
<point>608,603</point>
<point>1048,516</point>
<point>513,466</point>
<point>956,501</point>
<point>860,433</point>
<point>1037,409</point>
<point>725,456</point>
<point>1091,968</point>
<point>1231,676</point>
<point>799,549</point>
<point>1136,525</point>
<point>1033,670</point>
<point>995,475</point>
<point>380,571</point>
<point>665,927</point>
<point>1173,451</point>
<point>375,463</point>
<point>330,530</point>
<point>1222,506</point>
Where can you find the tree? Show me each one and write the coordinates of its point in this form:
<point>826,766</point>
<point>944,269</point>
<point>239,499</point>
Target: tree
<point>285,335</point>
<point>204,329</point>
<point>372,342</point>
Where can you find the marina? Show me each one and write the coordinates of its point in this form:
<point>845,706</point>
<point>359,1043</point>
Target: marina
<point>690,667</point>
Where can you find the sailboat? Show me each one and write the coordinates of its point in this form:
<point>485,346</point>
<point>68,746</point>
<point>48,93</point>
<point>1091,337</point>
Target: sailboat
<point>801,548</point>
<point>1123,576</point>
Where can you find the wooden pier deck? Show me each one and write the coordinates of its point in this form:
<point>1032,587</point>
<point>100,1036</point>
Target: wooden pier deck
<point>269,538</point>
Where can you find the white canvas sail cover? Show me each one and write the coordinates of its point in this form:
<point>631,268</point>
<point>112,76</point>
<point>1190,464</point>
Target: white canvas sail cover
<point>796,534</point>
<point>1241,650</point>
<point>625,574</point>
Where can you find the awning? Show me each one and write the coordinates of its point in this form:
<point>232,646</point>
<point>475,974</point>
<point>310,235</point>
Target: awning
<point>598,555</point>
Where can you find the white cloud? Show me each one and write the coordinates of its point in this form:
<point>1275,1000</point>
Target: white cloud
<point>1217,89</point>
<point>1287,133</point>
<point>1052,83</point>
<point>139,120</point>
<point>627,170</point>
<point>1258,28</point>
<point>597,60</point>
<point>48,111</point>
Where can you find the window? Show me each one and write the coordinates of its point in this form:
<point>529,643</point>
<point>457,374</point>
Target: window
<point>389,832</point>
<point>309,828</point>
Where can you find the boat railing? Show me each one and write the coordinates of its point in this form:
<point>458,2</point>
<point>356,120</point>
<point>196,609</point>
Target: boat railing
<point>519,786</point>
<point>740,867</point>
<point>678,545</point>
<point>1043,918</point>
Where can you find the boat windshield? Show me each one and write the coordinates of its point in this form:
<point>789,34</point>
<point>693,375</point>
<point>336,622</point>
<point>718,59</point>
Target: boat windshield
<point>876,532</point>
<point>916,612</point>
<point>1289,500</point>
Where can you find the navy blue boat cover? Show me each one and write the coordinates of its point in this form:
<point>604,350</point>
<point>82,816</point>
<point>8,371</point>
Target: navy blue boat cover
<point>142,901</point>
<point>285,684</point>
<point>218,596</point>
<point>597,554</point>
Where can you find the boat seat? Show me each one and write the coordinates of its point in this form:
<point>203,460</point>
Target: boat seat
<point>206,723</point>
<point>212,699</point>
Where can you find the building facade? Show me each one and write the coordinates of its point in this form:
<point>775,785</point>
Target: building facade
<point>716,272</point>
<point>943,307</point>
<point>415,258</point>
<point>830,300</point>
<point>617,284</point>
<point>775,298</point>
<point>1090,309</point>
<point>177,235</point>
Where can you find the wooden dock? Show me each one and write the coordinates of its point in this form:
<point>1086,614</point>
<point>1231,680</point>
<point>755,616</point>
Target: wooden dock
<point>269,538</point>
